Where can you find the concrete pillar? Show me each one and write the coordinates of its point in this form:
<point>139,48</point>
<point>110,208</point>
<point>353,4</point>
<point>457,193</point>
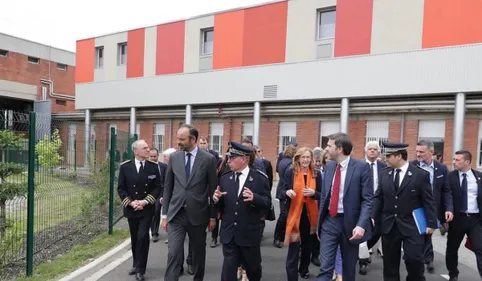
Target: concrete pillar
<point>133,122</point>
<point>459,117</point>
<point>87,138</point>
<point>188,114</point>
<point>344,115</point>
<point>256,122</point>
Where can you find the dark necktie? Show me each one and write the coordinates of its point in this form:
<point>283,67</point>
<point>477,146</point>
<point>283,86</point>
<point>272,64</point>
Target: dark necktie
<point>464,193</point>
<point>335,194</point>
<point>188,165</point>
<point>372,166</point>
<point>141,168</point>
<point>396,183</point>
<point>236,182</point>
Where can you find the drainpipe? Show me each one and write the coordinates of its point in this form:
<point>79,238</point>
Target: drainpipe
<point>51,90</point>
<point>402,127</point>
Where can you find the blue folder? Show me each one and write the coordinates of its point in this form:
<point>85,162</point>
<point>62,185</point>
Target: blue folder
<point>421,220</point>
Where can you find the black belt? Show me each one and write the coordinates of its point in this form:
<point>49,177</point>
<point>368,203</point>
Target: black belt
<point>469,214</point>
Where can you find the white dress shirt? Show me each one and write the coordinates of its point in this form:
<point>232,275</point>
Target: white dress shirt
<point>344,167</point>
<point>472,189</point>
<point>193,157</point>
<point>375,174</point>
<point>242,179</point>
<point>138,164</point>
<point>403,172</point>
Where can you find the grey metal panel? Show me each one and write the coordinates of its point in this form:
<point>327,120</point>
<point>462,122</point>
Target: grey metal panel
<point>18,90</point>
<point>43,109</point>
<point>99,74</point>
<point>205,63</point>
<point>440,70</point>
<point>121,71</point>
<point>324,50</point>
<point>29,48</point>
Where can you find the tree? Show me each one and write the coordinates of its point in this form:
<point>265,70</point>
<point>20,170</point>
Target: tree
<point>8,139</point>
<point>48,150</point>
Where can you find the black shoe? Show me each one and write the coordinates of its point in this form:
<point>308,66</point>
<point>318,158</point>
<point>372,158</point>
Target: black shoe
<point>155,238</point>
<point>363,269</point>
<point>315,261</point>
<point>139,277</point>
<point>454,278</point>
<point>430,267</point>
<point>182,271</point>
<point>278,244</point>
<point>305,275</point>
<point>132,271</point>
<point>190,270</point>
<point>214,243</point>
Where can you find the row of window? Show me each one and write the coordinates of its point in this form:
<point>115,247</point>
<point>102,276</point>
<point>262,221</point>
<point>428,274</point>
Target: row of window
<point>33,60</point>
<point>325,30</point>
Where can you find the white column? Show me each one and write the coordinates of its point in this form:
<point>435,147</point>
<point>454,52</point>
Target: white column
<point>459,117</point>
<point>256,122</point>
<point>188,114</point>
<point>133,121</point>
<point>344,115</point>
<point>87,138</point>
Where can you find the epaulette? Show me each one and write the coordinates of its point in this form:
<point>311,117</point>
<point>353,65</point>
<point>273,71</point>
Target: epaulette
<point>263,173</point>
<point>127,161</point>
<point>152,162</point>
<point>225,173</point>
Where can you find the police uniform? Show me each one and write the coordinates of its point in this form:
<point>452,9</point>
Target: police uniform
<point>239,232</point>
<point>402,190</point>
<point>143,183</point>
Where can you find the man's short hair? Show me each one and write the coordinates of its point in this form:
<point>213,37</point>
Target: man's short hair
<point>135,143</point>
<point>466,154</point>
<point>154,149</point>
<point>426,143</point>
<point>193,132</point>
<point>372,143</point>
<point>168,151</point>
<point>203,138</point>
<point>342,141</point>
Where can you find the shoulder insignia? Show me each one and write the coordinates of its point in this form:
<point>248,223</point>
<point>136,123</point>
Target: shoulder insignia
<point>263,173</point>
<point>125,162</point>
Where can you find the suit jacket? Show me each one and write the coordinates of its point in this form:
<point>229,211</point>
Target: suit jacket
<point>454,184</point>
<point>193,193</point>
<point>289,180</point>
<point>357,198</point>
<point>143,186</point>
<point>441,191</point>
<point>269,171</point>
<point>390,207</point>
<point>241,220</point>
<point>162,172</point>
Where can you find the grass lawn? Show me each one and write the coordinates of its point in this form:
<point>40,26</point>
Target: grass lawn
<point>78,256</point>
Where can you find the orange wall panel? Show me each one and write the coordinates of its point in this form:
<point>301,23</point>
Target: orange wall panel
<point>135,57</point>
<point>265,34</point>
<point>353,27</point>
<point>451,22</point>
<point>170,48</point>
<point>228,39</point>
<point>84,61</point>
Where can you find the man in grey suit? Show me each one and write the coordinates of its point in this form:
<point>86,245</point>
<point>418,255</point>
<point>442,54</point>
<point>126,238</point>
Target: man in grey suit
<point>191,179</point>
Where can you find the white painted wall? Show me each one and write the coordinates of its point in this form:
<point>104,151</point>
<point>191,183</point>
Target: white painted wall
<point>150,43</point>
<point>397,25</point>
<point>111,71</point>
<point>192,42</point>
<point>18,90</point>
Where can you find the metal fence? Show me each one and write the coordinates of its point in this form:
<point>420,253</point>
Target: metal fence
<point>55,191</point>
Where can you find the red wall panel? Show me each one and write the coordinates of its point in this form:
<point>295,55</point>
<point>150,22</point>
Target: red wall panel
<point>353,27</point>
<point>135,53</point>
<point>170,48</point>
<point>265,34</point>
<point>228,39</point>
<point>450,22</point>
<point>84,61</point>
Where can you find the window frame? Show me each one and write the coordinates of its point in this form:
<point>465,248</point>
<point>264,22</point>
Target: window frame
<point>159,136</point>
<point>285,138</point>
<point>99,57</point>
<point>62,66</point>
<point>319,16</point>
<point>122,54</point>
<point>33,60</point>
<point>4,53</point>
<point>216,137</point>
<point>203,42</point>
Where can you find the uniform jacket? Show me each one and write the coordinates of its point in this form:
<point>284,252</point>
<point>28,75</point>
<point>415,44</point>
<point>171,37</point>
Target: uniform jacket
<point>455,188</point>
<point>241,220</point>
<point>390,207</point>
<point>143,186</point>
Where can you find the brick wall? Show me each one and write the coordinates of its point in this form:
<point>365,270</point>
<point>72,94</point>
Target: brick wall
<point>308,133</point>
<point>357,133</point>
<point>16,68</point>
<point>410,137</point>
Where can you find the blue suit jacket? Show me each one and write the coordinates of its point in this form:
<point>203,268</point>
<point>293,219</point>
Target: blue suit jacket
<point>357,199</point>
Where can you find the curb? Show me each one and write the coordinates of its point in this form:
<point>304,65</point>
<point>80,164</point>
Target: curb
<point>120,251</point>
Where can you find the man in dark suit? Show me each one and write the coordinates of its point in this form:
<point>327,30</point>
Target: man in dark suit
<point>402,188</point>
<point>345,208</point>
<point>241,197</point>
<point>440,190</point>
<point>139,186</point>
<point>191,179</point>
<point>266,163</point>
<point>156,220</point>
<point>372,151</point>
<point>466,187</point>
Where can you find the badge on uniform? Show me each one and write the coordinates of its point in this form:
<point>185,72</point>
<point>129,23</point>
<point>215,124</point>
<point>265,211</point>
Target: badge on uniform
<point>409,173</point>
<point>151,177</point>
<point>250,178</point>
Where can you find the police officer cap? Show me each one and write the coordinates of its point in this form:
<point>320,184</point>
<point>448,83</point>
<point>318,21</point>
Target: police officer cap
<point>237,149</point>
<point>394,147</point>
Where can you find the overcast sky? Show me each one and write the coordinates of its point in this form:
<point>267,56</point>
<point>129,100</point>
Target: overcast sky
<point>61,22</point>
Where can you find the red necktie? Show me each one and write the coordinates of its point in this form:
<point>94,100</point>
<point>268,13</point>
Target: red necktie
<point>335,194</point>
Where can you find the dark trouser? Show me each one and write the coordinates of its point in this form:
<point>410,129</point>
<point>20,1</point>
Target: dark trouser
<point>235,255</point>
<point>428,249</point>
<point>156,219</point>
<point>279,233</point>
<point>412,254</point>
<point>295,264</point>
<point>370,243</point>
<point>139,229</point>
<point>315,246</point>
<point>215,232</point>
<point>332,235</point>
<point>189,253</point>
<point>458,228</point>
<point>177,229</point>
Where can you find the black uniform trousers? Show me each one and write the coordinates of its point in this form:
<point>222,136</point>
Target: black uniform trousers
<point>139,229</point>
<point>428,249</point>
<point>279,233</point>
<point>156,220</point>
<point>413,255</point>
<point>470,225</point>
<point>215,232</point>
<point>294,263</point>
<point>234,255</point>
